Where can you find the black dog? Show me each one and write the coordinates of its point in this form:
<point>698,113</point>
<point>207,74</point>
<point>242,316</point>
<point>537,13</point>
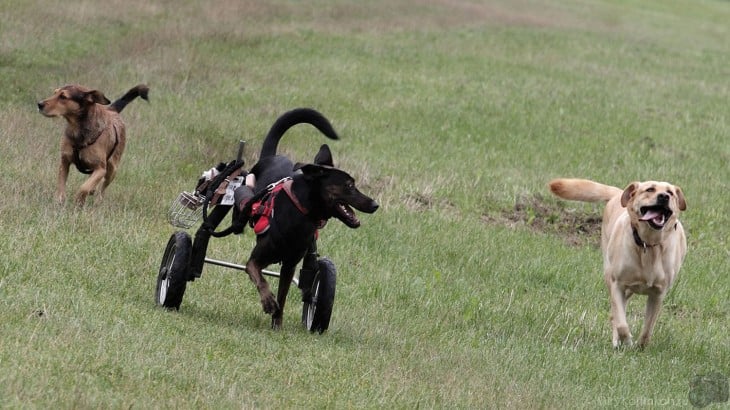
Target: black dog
<point>312,194</point>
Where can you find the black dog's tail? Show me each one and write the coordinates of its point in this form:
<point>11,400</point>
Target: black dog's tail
<point>290,119</point>
<point>140,90</point>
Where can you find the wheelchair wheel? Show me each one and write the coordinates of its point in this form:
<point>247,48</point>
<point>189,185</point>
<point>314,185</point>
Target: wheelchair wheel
<point>316,312</point>
<point>173,275</point>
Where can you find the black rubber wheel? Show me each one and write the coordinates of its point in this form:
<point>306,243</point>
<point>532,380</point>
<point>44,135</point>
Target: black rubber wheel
<point>173,276</point>
<point>316,312</point>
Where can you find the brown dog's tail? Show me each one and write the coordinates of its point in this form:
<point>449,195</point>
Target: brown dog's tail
<point>140,90</point>
<point>583,190</point>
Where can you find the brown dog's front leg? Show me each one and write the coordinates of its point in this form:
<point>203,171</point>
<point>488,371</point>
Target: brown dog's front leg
<point>62,177</point>
<point>89,186</point>
<point>267,298</point>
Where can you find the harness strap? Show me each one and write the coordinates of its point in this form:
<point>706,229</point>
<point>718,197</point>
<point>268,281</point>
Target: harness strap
<point>78,163</point>
<point>82,166</point>
<point>221,190</point>
<point>286,186</point>
<point>262,209</point>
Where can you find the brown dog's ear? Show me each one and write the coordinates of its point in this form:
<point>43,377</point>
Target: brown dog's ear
<point>680,199</point>
<point>95,96</point>
<point>628,193</point>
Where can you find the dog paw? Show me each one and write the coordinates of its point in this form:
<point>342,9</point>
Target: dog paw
<point>618,345</point>
<point>623,341</point>
<point>644,341</point>
<point>80,199</point>
<point>269,304</point>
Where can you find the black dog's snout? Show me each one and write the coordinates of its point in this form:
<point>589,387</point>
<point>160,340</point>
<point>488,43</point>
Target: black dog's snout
<point>374,206</point>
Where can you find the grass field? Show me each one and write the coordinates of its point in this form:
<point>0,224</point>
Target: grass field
<point>471,287</point>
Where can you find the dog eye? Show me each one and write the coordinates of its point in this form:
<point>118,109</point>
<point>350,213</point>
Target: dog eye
<point>650,189</point>
<point>62,96</point>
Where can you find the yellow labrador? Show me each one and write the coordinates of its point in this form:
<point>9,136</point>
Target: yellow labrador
<point>642,240</point>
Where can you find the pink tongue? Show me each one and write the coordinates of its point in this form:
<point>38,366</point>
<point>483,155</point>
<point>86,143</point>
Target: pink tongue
<point>656,217</point>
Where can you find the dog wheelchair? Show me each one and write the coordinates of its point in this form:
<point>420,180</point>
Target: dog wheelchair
<point>185,256</point>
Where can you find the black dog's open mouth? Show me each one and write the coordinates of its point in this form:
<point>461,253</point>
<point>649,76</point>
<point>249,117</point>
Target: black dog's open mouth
<point>344,213</point>
<point>656,215</point>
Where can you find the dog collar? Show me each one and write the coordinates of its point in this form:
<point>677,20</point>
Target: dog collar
<point>637,239</point>
<point>84,144</point>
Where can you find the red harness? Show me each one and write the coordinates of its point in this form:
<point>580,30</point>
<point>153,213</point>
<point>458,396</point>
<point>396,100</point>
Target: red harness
<point>262,211</point>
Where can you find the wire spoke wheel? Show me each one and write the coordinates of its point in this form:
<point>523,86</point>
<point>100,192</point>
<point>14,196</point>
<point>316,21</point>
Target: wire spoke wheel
<point>317,311</point>
<point>173,275</point>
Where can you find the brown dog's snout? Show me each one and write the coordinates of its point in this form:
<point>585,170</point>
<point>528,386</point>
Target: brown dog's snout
<point>41,105</point>
<point>662,199</point>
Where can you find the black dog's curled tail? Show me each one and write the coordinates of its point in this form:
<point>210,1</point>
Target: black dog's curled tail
<point>290,119</point>
<point>140,90</point>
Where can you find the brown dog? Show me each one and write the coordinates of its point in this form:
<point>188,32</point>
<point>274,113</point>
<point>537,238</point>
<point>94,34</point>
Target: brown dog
<point>94,138</point>
<point>643,244</point>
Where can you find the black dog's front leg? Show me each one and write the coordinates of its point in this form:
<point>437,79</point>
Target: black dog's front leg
<point>268,301</point>
<point>202,236</point>
<point>285,277</point>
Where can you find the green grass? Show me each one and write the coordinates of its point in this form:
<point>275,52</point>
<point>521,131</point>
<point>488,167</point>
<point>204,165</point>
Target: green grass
<point>451,114</point>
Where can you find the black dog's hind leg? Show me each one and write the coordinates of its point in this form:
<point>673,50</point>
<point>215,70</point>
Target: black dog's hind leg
<point>308,271</point>
<point>202,236</point>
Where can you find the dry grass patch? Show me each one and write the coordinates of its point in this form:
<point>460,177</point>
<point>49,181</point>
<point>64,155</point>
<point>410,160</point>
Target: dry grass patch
<point>578,227</point>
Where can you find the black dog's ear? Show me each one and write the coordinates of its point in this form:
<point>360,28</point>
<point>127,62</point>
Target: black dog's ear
<point>311,170</point>
<point>324,156</point>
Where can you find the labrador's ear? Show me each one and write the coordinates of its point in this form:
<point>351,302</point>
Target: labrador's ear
<point>629,193</point>
<point>324,156</point>
<point>680,199</point>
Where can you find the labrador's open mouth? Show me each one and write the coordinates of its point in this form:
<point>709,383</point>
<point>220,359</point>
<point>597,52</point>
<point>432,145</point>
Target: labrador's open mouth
<point>656,215</point>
